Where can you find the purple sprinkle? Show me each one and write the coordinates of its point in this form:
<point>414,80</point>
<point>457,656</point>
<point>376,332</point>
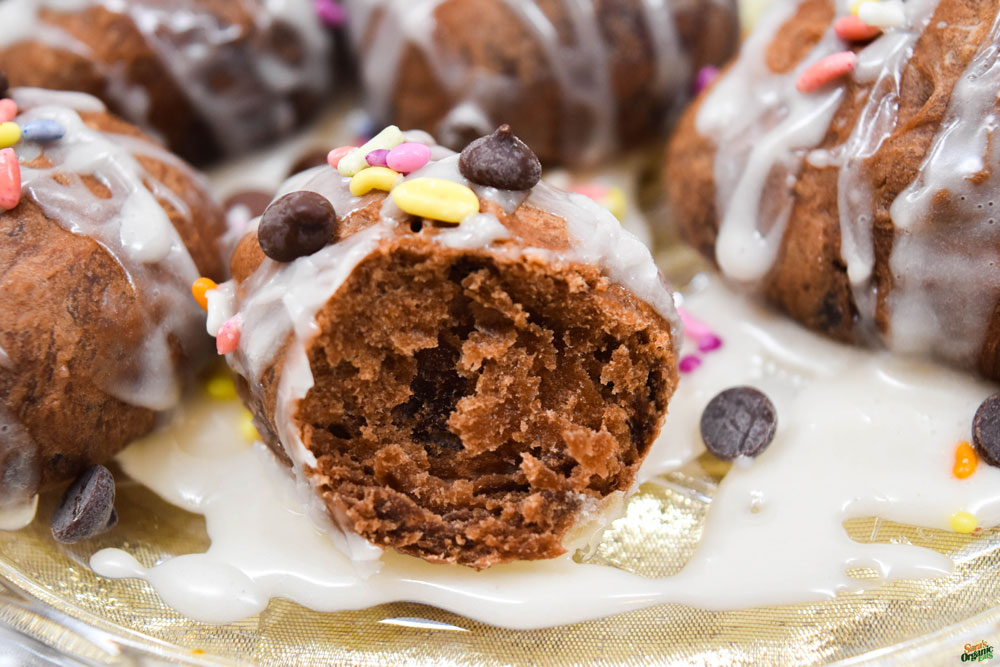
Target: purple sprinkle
<point>706,75</point>
<point>377,157</point>
<point>330,12</point>
<point>689,363</point>
<point>709,342</point>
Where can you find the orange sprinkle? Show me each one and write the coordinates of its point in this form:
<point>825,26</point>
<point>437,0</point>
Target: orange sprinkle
<point>825,70</point>
<point>334,157</point>
<point>966,460</point>
<point>198,289</point>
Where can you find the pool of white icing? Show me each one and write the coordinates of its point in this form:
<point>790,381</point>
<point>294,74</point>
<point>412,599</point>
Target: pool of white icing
<point>860,434</point>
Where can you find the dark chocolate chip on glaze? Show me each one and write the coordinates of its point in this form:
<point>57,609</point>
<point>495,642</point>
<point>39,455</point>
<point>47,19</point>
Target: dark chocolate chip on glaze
<point>501,160</point>
<point>986,430</point>
<point>298,224</point>
<point>740,421</point>
<point>87,509</point>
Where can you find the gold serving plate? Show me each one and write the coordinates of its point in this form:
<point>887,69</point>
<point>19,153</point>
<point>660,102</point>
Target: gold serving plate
<point>49,595</point>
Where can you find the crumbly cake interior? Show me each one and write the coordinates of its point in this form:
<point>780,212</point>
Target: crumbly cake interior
<point>466,408</point>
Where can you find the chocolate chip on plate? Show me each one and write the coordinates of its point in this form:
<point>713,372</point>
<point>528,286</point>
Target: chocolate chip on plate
<point>87,508</point>
<point>986,430</point>
<point>298,224</point>
<point>740,421</point>
<point>500,160</point>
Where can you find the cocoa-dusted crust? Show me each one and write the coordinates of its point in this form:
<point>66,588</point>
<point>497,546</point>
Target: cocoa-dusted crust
<point>487,38</point>
<point>809,279</point>
<point>70,319</point>
<point>467,408</point>
<point>114,42</point>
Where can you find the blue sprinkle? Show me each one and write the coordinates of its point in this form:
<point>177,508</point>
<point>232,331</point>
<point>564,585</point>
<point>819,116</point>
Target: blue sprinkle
<point>42,130</point>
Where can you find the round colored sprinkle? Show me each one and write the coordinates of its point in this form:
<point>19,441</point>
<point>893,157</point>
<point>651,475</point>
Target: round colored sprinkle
<point>356,160</point>
<point>199,288</point>
<point>825,70</point>
<point>10,134</point>
<point>373,178</point>
<point>850,28</point>
<point>228,338</point>
<point>10,179</point>
<point>616,202</point>
<point>337,154</point>
<point>377,157</point>
<point>500,160</point>
<point>8,110</point>
<point>740,421</point>
<point>330,12</point>
<point>986,430</point>
<point>706,75</point>
<point>436,199</point>
<point>408,157</point>
<point>42,130</point>
<point>247,429</point>
<point>965,460</point>
<point>298,224</point>
<point>221,387</point>
<point>963,522</point>
<point>689,364</point>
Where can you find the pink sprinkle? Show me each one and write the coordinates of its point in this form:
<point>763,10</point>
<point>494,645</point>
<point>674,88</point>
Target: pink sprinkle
<point>706,75</point>
<point>825,70</point>
<point>10,179</point>
<point>709,343</point>
<point>692,325</point>
<point>689,363</point>
<point>334,157</point>
<point>408,157</point>
<point>850,28</point>
<point>594,191</point>
<point>377,157</point>
<point>8,110</point>
<point>330,12</point>
<point>228,337</point>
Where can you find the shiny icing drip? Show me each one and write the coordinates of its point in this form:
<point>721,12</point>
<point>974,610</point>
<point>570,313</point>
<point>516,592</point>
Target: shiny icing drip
<point>579,68</point>
<point>282,299</point>
<point>945,265</point>
<point>946,280</point>
<point>194,46</point>
<point>131,225</point>
<point>860,434</point>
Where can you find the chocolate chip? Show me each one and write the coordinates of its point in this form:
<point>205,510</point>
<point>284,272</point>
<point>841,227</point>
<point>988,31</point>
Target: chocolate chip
<point>740,421</point>
<point>298,224</point>
<point>500,160</point>
<point>87,507</point>
<point>986,430</point>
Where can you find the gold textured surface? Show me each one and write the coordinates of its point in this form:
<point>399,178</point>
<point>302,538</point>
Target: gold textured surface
<point>52,595</point>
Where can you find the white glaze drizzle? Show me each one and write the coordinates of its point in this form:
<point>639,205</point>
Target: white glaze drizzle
<point>130,225</point>
<point>579,67</point>
<point>859,434</point>
<point>946,278</point>
<point>193,44</point>
<point>282,299</point>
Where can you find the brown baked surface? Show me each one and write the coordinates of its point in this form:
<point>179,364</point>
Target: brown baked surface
<point>467,407</point>
<point>70,319</point>
<point>809,279</point>
<point>486,37</point>
<point>115,43</point>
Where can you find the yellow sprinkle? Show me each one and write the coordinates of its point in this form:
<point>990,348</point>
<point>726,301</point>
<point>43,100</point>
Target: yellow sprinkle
<point>436,199</point>
<point>221,388</point>
<point>963,522</point>
<point>616,202</point>
<point>247,429</point>
<point>373,178</point>
<point>357,160</point>
<point>10,134</point>
<point>854,5</point>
